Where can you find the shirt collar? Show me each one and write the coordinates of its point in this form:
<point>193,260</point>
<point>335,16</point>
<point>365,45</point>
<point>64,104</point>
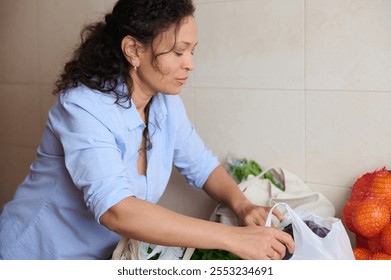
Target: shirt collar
<point>158,111</point>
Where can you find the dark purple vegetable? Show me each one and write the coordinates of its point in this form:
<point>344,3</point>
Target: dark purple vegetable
<point>317,229</point>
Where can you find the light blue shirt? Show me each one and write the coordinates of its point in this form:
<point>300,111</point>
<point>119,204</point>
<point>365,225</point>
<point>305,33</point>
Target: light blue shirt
<point>86,163</point>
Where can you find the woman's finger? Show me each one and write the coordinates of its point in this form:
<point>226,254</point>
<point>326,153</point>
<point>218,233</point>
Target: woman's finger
<point>278,214</point>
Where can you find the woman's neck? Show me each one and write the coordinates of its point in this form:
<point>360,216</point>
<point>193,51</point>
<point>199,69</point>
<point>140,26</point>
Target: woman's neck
<point>140,100</point>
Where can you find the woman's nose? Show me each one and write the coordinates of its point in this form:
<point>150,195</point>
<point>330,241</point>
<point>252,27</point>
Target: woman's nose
<point>189,62</point>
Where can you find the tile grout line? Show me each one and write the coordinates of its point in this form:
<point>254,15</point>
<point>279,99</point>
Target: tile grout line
<point>305,85</point>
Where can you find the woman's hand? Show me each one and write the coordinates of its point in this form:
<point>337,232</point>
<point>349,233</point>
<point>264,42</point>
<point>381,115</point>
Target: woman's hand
<point>252,240</point>
<point>254,215</point>
<point>221,187</point>
<point>261,243</point>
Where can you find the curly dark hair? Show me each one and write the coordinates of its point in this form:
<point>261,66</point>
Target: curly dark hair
<point>98,62</point>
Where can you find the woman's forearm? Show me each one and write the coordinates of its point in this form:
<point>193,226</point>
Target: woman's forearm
<point>141,220</point>
<point>221,187</point>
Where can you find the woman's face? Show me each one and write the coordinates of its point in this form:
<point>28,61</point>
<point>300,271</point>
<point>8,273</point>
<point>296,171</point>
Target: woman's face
<point>174,61</point>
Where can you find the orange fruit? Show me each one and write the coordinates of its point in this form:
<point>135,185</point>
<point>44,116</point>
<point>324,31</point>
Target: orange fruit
<point>361,253</point>
<point>385,238</point>
<point>370,217</point>
<point>347,214</point>
<point>361,187</point>
<point>380,256</point>
<point>381,186</point>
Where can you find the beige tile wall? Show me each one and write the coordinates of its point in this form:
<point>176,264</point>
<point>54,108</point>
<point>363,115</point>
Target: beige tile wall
<point>302,84</point>
<point>36,37</point>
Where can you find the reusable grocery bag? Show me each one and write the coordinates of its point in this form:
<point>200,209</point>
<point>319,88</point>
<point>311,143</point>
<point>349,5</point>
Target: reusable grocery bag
<point>130,249</point>
<point>293,191</point>
<point>334,244</point>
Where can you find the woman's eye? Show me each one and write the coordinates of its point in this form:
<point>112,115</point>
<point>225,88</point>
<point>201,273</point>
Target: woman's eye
<point>182,52</point>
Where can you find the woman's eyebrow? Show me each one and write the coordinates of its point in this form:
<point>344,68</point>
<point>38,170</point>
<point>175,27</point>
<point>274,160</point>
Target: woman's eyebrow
<point>187,43</point>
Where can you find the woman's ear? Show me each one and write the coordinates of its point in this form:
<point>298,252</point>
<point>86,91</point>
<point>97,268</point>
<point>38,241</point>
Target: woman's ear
<point>130,49</point>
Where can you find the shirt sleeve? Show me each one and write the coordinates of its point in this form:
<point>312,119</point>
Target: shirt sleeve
<point>92,154</point>
<point>192,157</point>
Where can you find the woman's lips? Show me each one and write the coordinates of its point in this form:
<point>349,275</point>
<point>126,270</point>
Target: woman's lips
<point>182,80</point>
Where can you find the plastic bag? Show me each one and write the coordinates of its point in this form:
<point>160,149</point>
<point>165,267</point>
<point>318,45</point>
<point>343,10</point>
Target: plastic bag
<point>335,245</point>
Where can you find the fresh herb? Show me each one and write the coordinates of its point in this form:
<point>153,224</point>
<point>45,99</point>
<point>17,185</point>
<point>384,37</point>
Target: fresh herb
<point>213,254</point>
<point>155,257</point>
<point>240,169</point>
<point>273,180</point>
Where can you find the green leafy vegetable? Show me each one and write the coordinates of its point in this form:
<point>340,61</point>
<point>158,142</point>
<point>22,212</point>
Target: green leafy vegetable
<point>240,169</point>
<point>274,181</point>
<point>155,257</point>
<point>211,254</point>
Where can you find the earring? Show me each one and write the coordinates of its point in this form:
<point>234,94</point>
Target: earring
<point>134,67</point>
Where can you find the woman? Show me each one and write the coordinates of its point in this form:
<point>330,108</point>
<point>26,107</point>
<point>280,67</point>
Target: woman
<point>110,142</point>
